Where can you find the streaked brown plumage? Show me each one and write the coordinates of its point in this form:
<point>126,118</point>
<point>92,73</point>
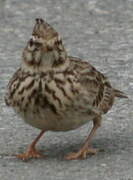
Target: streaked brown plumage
<point>57,92</point>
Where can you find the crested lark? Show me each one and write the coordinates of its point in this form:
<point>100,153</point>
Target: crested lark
<point>56,92</point>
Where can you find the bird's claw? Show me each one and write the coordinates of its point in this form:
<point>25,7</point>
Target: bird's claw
<point>81,154</point>
<point>29,154</point>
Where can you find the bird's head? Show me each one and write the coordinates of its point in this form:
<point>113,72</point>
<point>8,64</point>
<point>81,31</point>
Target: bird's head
<point>44,34</point>
<point>45,49</point>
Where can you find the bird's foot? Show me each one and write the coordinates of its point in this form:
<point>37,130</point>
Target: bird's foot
<point>29,154</point>
<point>81,154</point>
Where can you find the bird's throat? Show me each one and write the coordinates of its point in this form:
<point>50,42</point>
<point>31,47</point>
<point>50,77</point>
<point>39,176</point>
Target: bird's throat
<point>44,61</point>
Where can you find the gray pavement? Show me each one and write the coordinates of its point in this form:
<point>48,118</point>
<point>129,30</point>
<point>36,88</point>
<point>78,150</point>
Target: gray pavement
<point>100,31</point>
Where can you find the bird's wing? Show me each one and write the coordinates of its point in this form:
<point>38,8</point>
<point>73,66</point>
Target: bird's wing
<point>98,89</point>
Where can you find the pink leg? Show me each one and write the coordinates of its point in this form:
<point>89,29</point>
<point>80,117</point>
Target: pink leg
<point>31,151</point>
<point>86,148</point>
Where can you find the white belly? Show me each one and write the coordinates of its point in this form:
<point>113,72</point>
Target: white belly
<point>47,120</point>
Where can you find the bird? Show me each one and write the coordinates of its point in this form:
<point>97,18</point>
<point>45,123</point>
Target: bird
<point>53,91</point>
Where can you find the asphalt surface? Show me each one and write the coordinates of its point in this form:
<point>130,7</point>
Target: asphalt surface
<point>100,31</point>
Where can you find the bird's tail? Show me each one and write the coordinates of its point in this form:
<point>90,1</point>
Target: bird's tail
<point>119,94</point>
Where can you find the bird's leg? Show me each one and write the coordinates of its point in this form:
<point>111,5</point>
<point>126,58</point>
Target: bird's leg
<point>86,148</point>
<point>31,151</point>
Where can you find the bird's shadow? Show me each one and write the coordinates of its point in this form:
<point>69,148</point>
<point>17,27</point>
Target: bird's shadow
<point>114,145</point>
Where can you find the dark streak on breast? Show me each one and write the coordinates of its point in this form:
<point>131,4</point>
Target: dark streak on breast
<point>58,81</point>
<point>14,89</point>
<point>46,104</point>
<point>30,85</point>
<point>52,92</point>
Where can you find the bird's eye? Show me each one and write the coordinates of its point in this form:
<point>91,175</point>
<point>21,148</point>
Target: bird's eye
<point>30,42</point>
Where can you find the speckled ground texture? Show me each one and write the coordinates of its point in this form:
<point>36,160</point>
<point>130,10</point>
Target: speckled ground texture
<point>100,31</point>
